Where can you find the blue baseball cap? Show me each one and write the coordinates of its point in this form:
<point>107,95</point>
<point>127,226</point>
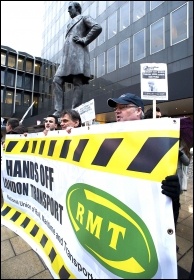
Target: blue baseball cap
<point>126,99</point>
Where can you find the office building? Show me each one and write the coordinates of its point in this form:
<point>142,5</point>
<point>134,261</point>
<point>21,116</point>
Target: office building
<point>134,32</point>
<point>25,79</point>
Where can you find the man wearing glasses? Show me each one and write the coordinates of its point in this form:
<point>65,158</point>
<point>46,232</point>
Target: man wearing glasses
<point>130,107</point>
<point>127,107</point>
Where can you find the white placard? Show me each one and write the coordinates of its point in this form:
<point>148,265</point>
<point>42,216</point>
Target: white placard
<point>154,82</point>
<point>86,111</point>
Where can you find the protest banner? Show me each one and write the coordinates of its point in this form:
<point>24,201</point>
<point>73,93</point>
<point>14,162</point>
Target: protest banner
<point>90,202</point>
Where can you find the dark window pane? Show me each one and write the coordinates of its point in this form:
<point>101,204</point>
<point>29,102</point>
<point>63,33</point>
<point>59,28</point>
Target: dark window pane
<point>10,79</point>
<point>28,82</point>
<point>19,80</point>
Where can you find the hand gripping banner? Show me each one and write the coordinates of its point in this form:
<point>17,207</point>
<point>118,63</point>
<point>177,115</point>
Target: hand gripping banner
<point>90,202</point>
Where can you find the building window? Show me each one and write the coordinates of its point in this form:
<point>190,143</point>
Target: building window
<point>36,83</point>
<point>157,36</point>
<point>125,16</point>
<point>37,68</point>
<point>2,101</point>
<point>41,101</point>
<point>9,97</point>
<point>92,45</point>
<point>92,68</point>
<point>154,4</point>
<point>138,10</point>
<point>28,82</point>
<point>100,65</point>
<point>27,100</point>
<point>111,59</point>
<point>110,2</point>
<point>19,80</point>
<point>11,60</point>
<point>2,77</point>
<point>101,7</point>
<point>10,79</point>
<point>101,37</point>
<point>112,25</point>
<point>29,66</point>
<point>179,24</point>
<point>124,53</point>
<point>92,10</point>
<point>3,58</point>
<point>18,99</point>
<point>21,63</point>
<point>139,45</point>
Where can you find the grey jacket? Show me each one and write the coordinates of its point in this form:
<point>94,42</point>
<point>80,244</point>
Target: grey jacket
<point>75,58</point>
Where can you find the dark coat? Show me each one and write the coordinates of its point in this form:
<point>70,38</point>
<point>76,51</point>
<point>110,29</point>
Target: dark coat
<point>75,58</point>
<point>20,129</point>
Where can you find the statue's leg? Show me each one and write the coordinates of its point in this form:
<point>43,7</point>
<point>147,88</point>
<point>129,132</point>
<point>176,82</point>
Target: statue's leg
<point>77,92</point>
<point>58,94</point>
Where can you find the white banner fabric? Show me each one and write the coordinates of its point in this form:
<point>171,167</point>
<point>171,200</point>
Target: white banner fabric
<point>90,202</point>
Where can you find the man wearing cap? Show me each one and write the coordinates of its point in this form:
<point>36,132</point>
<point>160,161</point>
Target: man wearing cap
<point>127,107</point>
<point>130,107</point>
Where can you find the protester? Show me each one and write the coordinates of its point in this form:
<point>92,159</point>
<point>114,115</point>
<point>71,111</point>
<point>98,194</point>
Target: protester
<point>129,107</point>
<point>149,113</point>
<point>13,127</point>
<point>70,119</point>
<point>184,158</point>
<point>50,123</point>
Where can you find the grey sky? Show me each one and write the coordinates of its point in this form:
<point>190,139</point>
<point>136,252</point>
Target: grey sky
<point>22,25</point>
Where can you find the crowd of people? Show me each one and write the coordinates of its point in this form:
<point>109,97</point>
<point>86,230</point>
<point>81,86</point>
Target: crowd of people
<point>127,107</point>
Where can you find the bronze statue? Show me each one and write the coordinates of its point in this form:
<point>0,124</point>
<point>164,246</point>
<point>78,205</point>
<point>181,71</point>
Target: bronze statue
<point>75,65</point>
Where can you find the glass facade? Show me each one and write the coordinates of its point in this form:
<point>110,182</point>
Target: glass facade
<point>134,32</point>
<point>21,77</point>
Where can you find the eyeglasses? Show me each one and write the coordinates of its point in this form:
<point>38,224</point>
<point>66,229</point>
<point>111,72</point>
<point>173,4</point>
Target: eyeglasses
<point>123,107</point>
<point>49,121</point>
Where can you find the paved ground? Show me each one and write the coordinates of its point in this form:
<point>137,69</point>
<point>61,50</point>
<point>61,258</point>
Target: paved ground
<point>19,261</point>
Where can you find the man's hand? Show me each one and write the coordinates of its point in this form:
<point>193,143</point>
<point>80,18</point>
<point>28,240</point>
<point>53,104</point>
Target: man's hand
<point>171,186</point>
<point>78,40</point>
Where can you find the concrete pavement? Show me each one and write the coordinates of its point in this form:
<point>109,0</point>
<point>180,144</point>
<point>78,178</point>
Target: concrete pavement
<point>19,261</point>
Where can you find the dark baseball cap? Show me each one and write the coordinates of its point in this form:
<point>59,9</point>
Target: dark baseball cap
<point>126,99</point>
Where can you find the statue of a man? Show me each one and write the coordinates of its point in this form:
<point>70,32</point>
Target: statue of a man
<point>75,64</point>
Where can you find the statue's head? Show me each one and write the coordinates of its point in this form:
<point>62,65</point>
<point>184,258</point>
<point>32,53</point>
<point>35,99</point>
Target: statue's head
<point>77,6</point>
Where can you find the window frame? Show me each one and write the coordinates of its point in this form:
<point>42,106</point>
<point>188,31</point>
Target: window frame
<point>110,58</point>
<point>128,62</point>
<point>134,48</point>
<point>187,26</point>
<point>163,34</point>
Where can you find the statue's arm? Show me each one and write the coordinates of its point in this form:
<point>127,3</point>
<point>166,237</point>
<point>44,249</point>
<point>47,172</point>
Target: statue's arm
<point>94,31</point>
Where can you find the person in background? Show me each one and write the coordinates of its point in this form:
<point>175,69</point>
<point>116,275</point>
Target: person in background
<point>70,119</point>
<point>149,113</point>
<point>13,127</point>
<point>129,107</point>
<point>50,123</point>
<point>184,158</point>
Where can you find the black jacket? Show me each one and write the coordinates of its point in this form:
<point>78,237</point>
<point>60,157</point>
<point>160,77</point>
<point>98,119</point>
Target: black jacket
<point>20,129</point>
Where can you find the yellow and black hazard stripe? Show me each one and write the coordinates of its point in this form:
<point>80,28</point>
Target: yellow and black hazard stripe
<point>137,154</point>
<point>35,232</point>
